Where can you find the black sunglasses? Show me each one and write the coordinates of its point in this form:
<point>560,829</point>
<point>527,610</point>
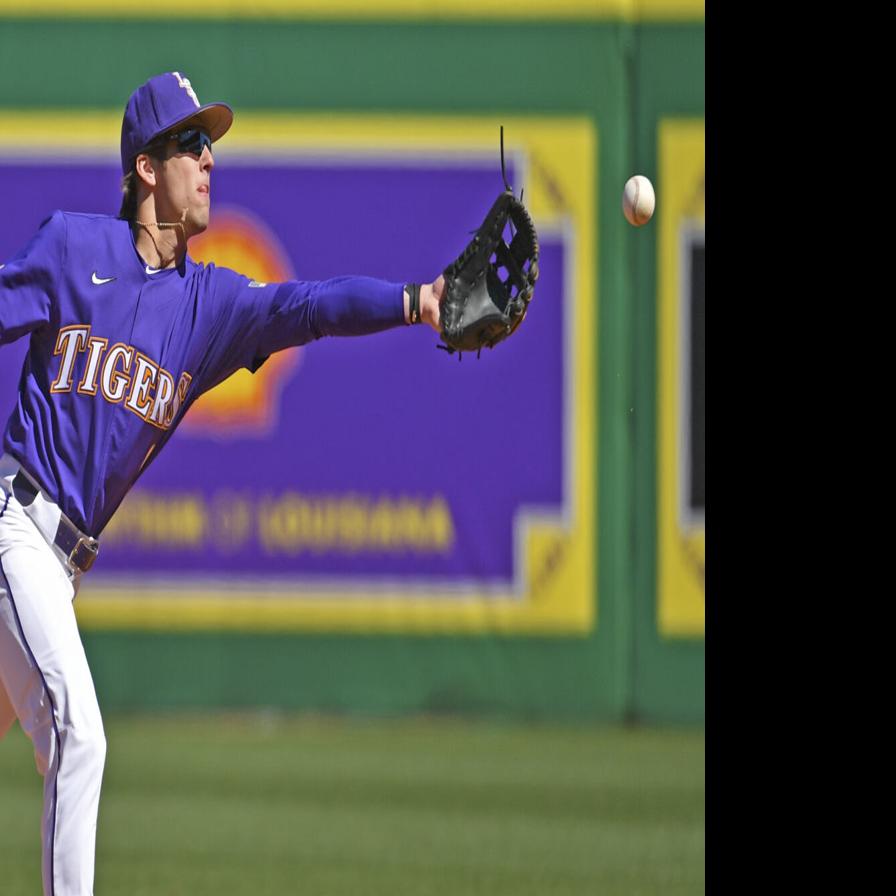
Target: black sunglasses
<point>192,140</point>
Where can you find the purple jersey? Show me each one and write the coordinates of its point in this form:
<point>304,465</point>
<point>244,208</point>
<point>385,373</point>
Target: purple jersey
<point>119,351</point>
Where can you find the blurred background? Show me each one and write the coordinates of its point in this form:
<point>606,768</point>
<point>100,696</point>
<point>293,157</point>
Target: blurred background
<point>370,552</point>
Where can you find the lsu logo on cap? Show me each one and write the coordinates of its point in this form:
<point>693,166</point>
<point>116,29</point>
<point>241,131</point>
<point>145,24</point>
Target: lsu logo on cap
<point>244,403</point>
<point>185,83</point>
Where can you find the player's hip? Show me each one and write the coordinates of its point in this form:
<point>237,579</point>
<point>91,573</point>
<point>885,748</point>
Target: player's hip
<point>29,517</point>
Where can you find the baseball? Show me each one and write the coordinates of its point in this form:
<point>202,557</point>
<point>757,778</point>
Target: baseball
<point>638,200</point>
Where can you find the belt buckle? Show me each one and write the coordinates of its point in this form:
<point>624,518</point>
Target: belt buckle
<point>84,553</point>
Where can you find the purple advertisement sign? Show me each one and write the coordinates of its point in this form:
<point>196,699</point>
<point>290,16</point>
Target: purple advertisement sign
<point>367,459</point>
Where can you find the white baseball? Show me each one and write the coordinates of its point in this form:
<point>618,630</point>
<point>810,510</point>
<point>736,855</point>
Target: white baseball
<point>638,200</point>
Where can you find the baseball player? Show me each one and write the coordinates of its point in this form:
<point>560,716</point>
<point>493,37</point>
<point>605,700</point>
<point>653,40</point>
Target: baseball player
<point>126,332</point>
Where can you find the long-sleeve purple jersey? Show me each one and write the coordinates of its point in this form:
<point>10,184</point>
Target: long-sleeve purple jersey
<point>119,351</point>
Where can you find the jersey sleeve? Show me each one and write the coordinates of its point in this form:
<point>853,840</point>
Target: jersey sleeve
<point>302,311</point>
<point>254,320</point>
<point>28,281</point>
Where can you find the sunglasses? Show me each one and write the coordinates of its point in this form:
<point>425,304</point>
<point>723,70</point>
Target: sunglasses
<point>192,140</point>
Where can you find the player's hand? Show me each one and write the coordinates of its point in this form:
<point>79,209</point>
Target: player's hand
<point>431,297</point>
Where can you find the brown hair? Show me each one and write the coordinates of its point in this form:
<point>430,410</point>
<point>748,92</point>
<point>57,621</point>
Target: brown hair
<point>128,210</point>
<point>129,182</point>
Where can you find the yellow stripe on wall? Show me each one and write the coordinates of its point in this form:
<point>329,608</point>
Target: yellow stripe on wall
<point>626,10</point>
<point>681,588</point>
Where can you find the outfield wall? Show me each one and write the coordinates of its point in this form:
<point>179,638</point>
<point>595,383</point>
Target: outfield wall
<point>588,599</point>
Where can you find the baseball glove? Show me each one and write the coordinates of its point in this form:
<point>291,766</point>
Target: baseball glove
<point>488,287</point>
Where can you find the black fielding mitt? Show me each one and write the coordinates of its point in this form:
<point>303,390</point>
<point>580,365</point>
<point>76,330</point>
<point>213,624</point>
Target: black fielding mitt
<point>488,287</point>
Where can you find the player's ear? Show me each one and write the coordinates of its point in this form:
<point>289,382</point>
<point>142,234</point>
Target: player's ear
<point>145,166</point>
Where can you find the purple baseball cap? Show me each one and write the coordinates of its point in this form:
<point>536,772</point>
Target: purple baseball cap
<point>164,103</point>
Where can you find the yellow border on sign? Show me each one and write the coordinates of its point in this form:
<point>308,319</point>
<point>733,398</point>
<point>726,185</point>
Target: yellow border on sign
<point>441,10</point>
<point>681,598</point>
<point>558,582</point>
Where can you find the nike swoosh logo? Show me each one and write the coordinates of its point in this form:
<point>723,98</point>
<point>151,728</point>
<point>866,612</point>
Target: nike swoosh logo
<point>99,281</point>
<point>150,270</point>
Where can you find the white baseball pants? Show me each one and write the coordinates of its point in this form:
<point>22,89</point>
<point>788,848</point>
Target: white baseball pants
<point>46,683</point>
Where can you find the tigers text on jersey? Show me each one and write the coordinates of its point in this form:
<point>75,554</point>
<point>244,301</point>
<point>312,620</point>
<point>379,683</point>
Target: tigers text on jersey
<point>119,350</point>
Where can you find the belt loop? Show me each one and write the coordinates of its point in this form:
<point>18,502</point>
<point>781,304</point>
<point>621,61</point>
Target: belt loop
<point>23,489</point>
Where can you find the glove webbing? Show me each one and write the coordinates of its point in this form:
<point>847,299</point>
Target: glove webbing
<point>505,257</point>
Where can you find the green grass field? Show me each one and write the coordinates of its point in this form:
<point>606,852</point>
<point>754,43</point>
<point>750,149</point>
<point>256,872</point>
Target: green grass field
<point>256,805</point>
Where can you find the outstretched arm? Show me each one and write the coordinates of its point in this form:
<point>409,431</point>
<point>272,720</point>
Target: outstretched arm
<point>303,311</point>
<point>251,320</point>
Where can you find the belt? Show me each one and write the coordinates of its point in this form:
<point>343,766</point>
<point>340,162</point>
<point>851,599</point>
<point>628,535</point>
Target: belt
<point>80,549</point>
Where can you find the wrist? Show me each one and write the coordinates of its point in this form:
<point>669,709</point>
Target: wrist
<point>412,313</point>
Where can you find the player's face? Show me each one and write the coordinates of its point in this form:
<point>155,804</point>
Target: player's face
<point>184,182</point>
